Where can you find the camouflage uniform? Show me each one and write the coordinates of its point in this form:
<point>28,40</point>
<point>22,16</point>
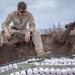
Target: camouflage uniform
<point>21,26</point>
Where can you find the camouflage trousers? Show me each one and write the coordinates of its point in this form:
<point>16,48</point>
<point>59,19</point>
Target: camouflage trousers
<point>36,38</point>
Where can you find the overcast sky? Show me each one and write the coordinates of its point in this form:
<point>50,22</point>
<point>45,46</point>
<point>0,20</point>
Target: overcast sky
<point>46,12</point>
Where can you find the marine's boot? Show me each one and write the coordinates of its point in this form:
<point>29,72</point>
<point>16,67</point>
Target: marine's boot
<point>43,54</point>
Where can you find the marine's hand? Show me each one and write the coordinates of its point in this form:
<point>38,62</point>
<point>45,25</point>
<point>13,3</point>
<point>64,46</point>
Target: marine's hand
<point>27,36</point>
<point>7,34</point>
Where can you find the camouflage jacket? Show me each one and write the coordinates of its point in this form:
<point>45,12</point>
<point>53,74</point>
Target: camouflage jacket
<point>21,25</point>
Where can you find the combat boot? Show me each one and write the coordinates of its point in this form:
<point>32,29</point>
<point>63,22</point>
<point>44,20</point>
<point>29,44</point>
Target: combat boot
<point>48,53</point>
<point>43,54</point>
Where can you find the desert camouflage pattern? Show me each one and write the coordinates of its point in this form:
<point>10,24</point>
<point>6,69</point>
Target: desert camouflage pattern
<point>21,27</point>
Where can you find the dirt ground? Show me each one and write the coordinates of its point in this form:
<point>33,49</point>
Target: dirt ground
<point>10,53</point>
